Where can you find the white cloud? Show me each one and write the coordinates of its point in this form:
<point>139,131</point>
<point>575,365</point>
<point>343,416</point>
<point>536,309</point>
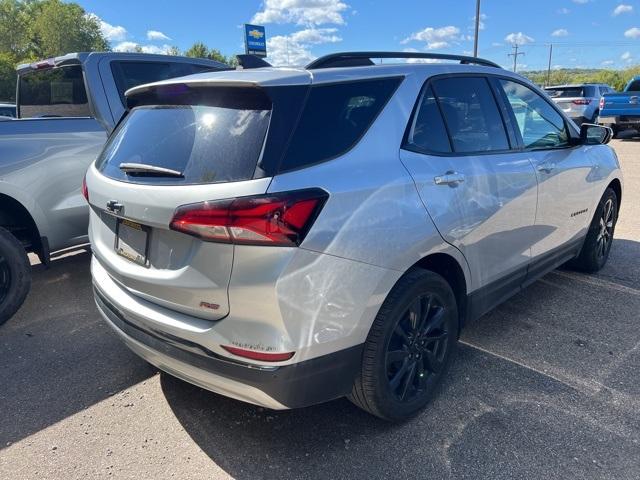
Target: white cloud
<point>627,57</point>
<point>156,35</point>
<point>435,38</point>
<point>561,32</point>
<point>607,63</point>
<point>315,36</point>
<point>497,44</point>
<point>133,46</point>
<point>563,11</point>
<point>632,33</point>
<point>481,24</point>
<point>301,12</point>
<point>113,33</point>
<point>518,38</point>
<point>622,8</point>
<point>581,2</point>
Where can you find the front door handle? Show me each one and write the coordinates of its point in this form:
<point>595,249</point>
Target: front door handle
<point>546,167</point>
<point>450,178</point>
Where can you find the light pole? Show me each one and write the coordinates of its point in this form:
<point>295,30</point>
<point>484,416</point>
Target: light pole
<point>475,40</point>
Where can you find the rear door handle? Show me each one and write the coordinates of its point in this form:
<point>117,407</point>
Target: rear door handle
<point>546,167</point>
<point>449,178</point>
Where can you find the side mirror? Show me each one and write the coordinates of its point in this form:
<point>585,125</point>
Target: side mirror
<point>591,134</point>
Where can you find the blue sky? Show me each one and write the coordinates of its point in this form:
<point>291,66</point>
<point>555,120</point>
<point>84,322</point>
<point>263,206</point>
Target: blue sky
<point>585,33</point>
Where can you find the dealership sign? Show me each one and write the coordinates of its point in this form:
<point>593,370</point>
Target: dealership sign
<point>255,40</point>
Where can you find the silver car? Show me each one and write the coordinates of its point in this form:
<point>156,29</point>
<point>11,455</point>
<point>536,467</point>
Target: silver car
<point>581,103</point>
<point>290,236</point>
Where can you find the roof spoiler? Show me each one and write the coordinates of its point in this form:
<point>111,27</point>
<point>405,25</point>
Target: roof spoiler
<point>361,59</point>
<point>251,61</point>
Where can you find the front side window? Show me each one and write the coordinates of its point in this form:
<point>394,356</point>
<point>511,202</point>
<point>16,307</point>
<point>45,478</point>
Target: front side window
<point>471,114</point>
<point>540,125</point>
<point>53,92</point>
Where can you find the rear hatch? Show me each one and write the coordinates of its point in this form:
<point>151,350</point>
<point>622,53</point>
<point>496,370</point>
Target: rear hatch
<point>179,144</point>
<point>572,100</point>
<point>620,104</point>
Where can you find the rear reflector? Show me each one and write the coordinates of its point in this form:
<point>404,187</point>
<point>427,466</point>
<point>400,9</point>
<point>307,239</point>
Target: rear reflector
<point>582,101</point>
<point>281,219</point>
<point>263,356</point>
<point>85,190</point>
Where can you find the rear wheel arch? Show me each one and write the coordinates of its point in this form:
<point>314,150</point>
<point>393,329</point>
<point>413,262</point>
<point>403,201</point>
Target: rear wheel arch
<point>450,269</point>
<point>616,186</point>
<point>15,218</point>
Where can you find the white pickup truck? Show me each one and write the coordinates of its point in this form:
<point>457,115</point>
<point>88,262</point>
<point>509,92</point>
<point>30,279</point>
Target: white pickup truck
<point>66,108</point>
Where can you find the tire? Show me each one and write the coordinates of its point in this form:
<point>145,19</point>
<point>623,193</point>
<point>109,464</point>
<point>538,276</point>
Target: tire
<point>15,275</point>
<point>597,244</point>
<point>392,347</point>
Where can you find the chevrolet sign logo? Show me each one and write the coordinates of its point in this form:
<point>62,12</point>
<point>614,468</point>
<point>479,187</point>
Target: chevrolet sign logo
<point>256,34</point>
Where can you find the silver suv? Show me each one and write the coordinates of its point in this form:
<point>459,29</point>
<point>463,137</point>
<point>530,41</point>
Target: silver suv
<point>290,236</point>
<point>581,103</point>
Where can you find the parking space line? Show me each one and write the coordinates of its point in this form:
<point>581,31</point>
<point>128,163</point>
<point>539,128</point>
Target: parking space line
<point>597,281</point>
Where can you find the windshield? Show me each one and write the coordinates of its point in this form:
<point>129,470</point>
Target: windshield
<point>205,144</point>
<point>53,92</point>
<point>566,92</point>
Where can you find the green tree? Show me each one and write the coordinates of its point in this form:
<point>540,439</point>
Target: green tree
<point>60,28</point>
<point>197,50</point>
<point>7,76</point>
<point>175,51</point>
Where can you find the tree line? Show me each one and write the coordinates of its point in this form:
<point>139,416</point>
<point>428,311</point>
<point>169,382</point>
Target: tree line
<point>616,78</point>
<point>33,30</point>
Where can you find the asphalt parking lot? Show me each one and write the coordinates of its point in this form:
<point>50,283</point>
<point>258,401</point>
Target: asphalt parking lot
<point>546,386</point>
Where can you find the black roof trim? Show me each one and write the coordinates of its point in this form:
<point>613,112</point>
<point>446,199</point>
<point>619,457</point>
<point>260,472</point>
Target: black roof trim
<point>351,59</point>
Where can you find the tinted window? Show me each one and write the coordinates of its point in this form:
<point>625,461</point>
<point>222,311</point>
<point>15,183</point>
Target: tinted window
<point>633,86</point>
<point>428,132</point>
<point>207,144</point>
<point>471,114</point>
<point>53,92</point>
<point>540,125</point>
<point>131,74</point>
<point>334,118</point>
<point>7,111</point>
<point>567,92</point>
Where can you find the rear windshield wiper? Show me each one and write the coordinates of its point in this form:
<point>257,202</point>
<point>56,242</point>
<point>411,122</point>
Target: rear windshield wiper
<point>144,169</point>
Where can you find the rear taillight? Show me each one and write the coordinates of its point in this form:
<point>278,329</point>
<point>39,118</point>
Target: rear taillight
<point>264,356</point>
<point>582,101</point>
<point>85,190</point>
<point>281,219</point>
<point>601,103</point>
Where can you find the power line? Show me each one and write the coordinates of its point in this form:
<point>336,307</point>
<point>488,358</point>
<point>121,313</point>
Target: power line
<point>515,54</point>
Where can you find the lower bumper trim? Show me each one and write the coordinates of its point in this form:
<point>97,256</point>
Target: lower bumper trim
<point>299,385</point>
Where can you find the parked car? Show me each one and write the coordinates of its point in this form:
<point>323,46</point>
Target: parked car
<point>66,107</point>
<point>290,236</point>
<point>579,102</point>
<point>7,109</point>
<point>621,111</point>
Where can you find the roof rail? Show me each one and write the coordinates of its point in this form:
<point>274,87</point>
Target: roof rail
<point>361,59</point>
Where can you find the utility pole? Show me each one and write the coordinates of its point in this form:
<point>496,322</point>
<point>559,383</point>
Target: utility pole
<point>475,40</point>
<point>549,67</point>
<point>515,55</point>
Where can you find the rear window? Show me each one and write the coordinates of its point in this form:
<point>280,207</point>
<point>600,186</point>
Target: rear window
<point>204,143</point>
<point>54,92</point>
<point>129,74</point>
<point>566,92</point>
<point>334,118</point>
<point>633,86</point>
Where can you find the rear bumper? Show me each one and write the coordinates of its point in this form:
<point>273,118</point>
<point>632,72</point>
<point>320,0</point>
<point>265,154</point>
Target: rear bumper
<point>291,386</point>
<point>620,122</point>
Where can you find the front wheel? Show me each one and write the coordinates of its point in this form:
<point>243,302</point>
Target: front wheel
<point>15,275</point>
<point>409,347</point>
<point>597,244</point>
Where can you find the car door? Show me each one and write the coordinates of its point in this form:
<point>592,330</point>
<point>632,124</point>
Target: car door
<point>563,171</point>
<point>480,193</point>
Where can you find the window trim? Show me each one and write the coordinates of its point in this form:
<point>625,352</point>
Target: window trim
<point>428,83</point>
<point>509,121</point>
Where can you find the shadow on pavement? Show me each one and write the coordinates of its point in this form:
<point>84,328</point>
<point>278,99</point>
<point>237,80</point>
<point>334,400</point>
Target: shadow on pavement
<point>57,356</point>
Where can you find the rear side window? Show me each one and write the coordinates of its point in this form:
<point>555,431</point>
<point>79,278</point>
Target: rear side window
<point>334,118</point>
<point>53,92</point>
<point>131,74</point>
<point>471,114</point>
<point>634,86</point>
<point>540,125</point>
<point>201,143</point>
<point>428,133</point>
